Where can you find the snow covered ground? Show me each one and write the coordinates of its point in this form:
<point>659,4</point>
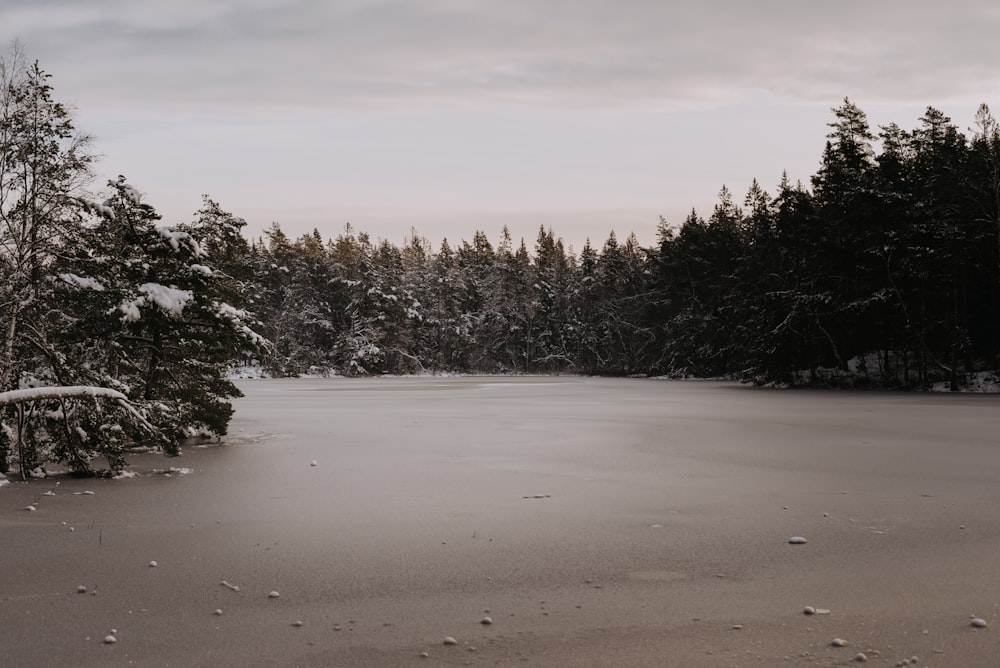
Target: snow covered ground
<point>596,522</point>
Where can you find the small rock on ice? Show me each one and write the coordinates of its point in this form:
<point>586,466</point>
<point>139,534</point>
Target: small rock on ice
<point>313,463</point>
<point>797,540</point>
<point>273,594</point>
<point>217,612</point>
<point>82,589</point>
<point>110,640</point>
<point>153,564</point>
<point>860,657</point>
<point>978,623</point>
<point>423,655</point>
<point>450,641</point>
<point>838,642</point>
<point>485,621</point>
<point>809,610</point>
<point>297,623</point>
<point>31,508</point>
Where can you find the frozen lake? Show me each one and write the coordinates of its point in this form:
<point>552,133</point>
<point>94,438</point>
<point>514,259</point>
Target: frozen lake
<point>598,521</point>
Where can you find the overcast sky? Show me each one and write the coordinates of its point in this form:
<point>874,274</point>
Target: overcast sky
<point>450,116</point>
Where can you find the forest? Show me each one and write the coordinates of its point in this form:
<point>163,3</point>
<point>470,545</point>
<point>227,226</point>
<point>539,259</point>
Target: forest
<point>883,272</point>
<point>115,329</point>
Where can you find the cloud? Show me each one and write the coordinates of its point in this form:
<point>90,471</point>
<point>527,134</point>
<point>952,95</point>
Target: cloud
<point>452,114</point>
<point>263,56</point>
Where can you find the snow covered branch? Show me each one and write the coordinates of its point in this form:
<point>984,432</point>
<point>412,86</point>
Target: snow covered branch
<point>59,392</point>
<point>74,392</point>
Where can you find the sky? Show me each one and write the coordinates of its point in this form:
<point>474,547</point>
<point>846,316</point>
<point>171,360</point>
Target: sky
<point>451,116</point>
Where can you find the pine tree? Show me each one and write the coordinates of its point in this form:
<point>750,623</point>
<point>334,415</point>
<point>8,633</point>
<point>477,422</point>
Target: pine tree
<point>168,327</point>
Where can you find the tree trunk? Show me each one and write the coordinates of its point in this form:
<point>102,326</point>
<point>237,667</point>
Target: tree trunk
<point>8,346</point>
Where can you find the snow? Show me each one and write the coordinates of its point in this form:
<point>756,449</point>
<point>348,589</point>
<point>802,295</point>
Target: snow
<point>230,312</point>
<point>131,309</point>
<point>58,392</point>
<point>867,370</point>
<point>201,269</point>
<point>984,381</point>
<point>102,209</point>
<point>169,299</point>
<point>82,282</point>
<point>236,316</point>
<point>175,237</point>
<point>238,371</point>
<point>131,193</point>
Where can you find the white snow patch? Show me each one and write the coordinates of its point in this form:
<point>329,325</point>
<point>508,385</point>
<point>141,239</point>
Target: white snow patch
<point>237,317</point>
<point>131,193</point>
<point>201,269</point>
<point>169,299</point>
<point>175,237</point>
<point>131,309</point>
<point>82,282</point>
<point>58,392</point>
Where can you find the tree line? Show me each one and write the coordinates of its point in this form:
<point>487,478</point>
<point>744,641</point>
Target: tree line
<point>116,329</point>
<point>884,273</point>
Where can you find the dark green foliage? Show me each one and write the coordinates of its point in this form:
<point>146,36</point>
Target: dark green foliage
<point>886,273</point>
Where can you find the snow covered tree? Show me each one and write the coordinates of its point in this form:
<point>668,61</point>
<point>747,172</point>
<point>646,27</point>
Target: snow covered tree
<point>155,319</point>
<point>44,166</point>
